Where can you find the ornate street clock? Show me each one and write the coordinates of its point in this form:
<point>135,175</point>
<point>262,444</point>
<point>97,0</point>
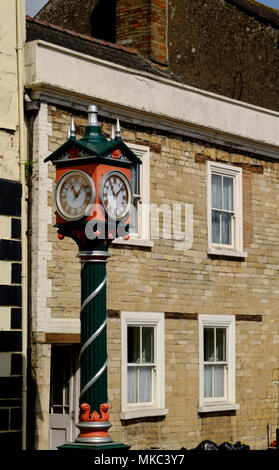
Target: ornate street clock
<point>93,182</point>
<point>94,179</point>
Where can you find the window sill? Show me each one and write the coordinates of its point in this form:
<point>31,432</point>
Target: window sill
<point>143,413</point>
<point>222,252</point>
<point>218,407</point>
<point>133,242</point>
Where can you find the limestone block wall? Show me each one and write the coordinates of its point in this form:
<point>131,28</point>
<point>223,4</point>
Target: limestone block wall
<point>183,285</point>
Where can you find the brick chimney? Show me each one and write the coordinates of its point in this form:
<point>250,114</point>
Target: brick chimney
<point>142,24</point>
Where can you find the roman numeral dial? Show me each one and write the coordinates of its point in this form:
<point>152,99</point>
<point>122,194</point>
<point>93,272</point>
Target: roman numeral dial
<point>74,192</point>
<point>115,194</point>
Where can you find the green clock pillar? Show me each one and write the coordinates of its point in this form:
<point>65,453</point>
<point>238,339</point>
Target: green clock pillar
<point>94,411</point>
<point>93,195</point>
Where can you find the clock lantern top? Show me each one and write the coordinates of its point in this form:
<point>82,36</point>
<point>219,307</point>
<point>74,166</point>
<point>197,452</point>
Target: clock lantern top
<point>93,147</point>
<point>94,180</point>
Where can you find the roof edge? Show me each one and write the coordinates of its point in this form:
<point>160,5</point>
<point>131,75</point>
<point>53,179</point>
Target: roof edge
<point>84,37</point>
<point>260,10</point>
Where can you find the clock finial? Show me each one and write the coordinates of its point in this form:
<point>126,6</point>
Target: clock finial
<point>93,132</point>
<point>118,128</point>
<point>112,134</point>
<point>92,115</point>
<point>72,130</point>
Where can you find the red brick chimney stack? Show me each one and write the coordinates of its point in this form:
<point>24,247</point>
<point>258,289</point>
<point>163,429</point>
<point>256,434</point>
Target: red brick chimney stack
<point>143,25</point>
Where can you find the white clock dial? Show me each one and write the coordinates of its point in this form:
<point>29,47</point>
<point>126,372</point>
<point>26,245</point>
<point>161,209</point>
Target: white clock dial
<point>74,192</point>
<point>115,194</point>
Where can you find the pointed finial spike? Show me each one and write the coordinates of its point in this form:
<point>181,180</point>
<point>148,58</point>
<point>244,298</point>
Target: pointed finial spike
<point>112,135</point>
<point>72,130</point>
<point>73,127</point>
<point>118,129</point>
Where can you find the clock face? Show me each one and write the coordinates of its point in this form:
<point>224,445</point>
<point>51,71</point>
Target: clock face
<point>115,194</point>
<point>74,192</point>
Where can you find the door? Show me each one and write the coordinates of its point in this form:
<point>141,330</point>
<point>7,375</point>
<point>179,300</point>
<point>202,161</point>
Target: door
<point>64,391</point>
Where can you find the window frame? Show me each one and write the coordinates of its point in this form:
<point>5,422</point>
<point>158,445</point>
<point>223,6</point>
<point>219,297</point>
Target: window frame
<point>142,238</point>
<point>214,363</point>
<point>228,402</point>
<point>236,248</point>
<point>157,406</point>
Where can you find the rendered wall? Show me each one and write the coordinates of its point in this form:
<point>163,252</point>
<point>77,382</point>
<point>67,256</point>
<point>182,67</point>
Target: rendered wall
<point>11,342</point>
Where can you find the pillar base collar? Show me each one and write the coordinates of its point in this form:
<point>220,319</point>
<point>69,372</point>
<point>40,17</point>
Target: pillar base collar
<point>93,256</point>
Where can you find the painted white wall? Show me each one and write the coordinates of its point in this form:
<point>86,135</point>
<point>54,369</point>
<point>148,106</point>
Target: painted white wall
<point>68,72</point>
<point>8,66</point>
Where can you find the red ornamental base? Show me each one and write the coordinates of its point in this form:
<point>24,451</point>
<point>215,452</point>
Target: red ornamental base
<point>94,427</point>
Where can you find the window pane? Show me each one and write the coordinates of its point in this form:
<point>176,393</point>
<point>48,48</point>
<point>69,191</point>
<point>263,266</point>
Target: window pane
<point>57,380</point>
<point>216,191</point>
<point>207,381</point>
<point>147,344</point>
<point>220,344</point>
<point>67,394</point>
<point>228,193</point>
<point>218,381</point>
<point>133,344</point>
<point>57,410</point>
<point>215,226</point>
<point>226,228</point>
<point>132,385</point>
<point>133,224</point>
<point>135,184</point>
<point>145,381</point>
<point>135,179</point>
<point>209,344</point>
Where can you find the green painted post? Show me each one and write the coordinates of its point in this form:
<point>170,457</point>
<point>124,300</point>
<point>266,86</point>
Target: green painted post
<point>93,356</point>
<point>94,418</point>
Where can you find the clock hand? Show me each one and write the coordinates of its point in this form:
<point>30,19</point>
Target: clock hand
<point>75,193</point>
<point>119,190</point>
<point>80,189</point>
<point>112,190</point>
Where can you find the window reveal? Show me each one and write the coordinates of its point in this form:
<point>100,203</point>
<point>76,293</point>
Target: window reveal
<point>140,364</point>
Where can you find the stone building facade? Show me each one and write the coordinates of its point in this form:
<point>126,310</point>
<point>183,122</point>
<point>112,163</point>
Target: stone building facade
<point>183,286</point>
<point>210,302</point>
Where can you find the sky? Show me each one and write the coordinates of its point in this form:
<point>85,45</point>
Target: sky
<point>270,3</point>
<point>33,6</point>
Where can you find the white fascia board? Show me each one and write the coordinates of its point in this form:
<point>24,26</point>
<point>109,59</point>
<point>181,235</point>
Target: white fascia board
<point>49,66</point>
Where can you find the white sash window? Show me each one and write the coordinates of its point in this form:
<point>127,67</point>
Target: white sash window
<point>224,211</point>
<point>217,362</point>
<point>140,215</point>
<point>143,364</point>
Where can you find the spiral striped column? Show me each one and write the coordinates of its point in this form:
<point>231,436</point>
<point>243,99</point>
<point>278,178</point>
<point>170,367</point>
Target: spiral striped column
<point>93,352</point>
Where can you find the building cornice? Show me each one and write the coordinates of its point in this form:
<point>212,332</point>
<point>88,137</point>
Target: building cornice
<point>148,100</point>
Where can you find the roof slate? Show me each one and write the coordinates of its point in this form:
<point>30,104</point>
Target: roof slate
<point>115,53</point>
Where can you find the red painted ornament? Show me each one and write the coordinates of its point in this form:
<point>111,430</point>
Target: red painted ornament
<point>116,154</point>
<point>73,153</point>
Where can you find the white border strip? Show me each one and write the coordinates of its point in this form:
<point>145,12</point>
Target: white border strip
<point>161,97</point>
